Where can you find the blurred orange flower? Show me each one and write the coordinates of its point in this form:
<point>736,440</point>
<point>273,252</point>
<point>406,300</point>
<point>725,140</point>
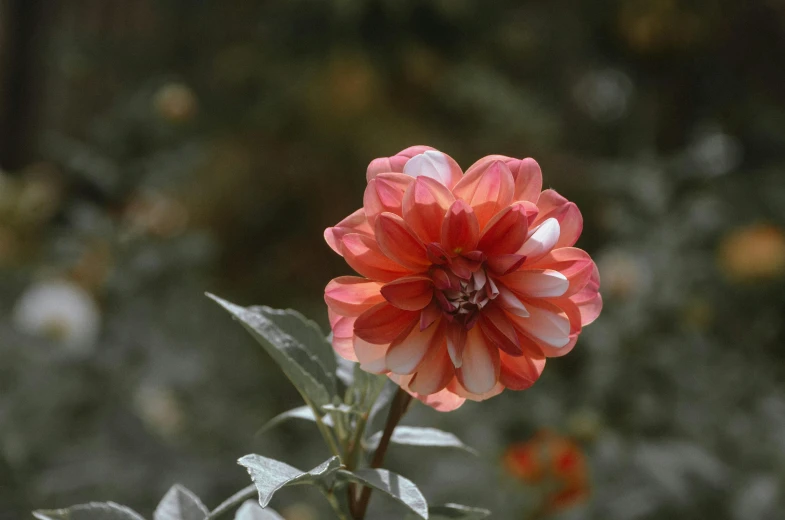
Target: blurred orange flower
<point>554,464</point>
<point>469,281</point>
<point>755,252</point>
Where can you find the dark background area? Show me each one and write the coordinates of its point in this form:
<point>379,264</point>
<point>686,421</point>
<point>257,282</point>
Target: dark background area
<point>155,149</point>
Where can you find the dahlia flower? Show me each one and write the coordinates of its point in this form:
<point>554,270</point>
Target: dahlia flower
<point>468,281</point>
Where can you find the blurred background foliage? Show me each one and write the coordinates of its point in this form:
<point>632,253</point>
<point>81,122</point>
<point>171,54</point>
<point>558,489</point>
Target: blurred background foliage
<point>155,149</point>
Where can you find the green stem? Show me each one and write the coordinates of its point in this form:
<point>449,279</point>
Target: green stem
<point>233,501</point>
<point>335,505</point>
<point>328,437</point>
<point>398,408</point>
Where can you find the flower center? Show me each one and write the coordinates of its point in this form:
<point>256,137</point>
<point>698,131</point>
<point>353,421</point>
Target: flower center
<point>463,288</point>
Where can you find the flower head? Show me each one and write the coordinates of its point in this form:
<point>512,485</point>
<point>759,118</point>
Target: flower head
<point>468,281</point>
<point>554,464</point>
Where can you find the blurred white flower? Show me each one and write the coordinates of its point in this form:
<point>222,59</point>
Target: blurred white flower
<point>604,94</point>
<point>715,153</point>
<point>61,311</point>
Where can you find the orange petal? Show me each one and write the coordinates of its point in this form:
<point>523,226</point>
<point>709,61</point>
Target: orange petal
<point>352,295</point>
<point>354,223</point>
<point>411,293</point>
<point>553,205</point>
<point>456,342</point>
<point>479,372</point>
<point>362,253</point>
<point>398,242</point>
<point>424,206</point>
<point>521,372</point>
<point>384,193</point>
<point>528,178</point>
<point>487,190</point>
<point>460,230</point>
<point>382,323</point>
<point>504,264</point>
<point>434,372</point>
<point>588,299</point>
<point>506,232</point>
<point>499,331</point>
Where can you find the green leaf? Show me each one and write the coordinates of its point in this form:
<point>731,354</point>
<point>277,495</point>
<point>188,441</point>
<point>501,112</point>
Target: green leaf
<point>250,510</point>
<point>180,504</point>
<point>306,331</point>
<point>91,511</point>
<point>270,475</point>
<point>455,512</point>
<point>399,488</point>
<point>417,436</point>
<point>293,348</point>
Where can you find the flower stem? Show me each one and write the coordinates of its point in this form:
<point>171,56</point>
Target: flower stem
<point>398,408</point>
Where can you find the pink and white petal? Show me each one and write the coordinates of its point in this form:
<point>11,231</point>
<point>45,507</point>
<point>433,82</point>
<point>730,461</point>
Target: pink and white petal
<point>434,372</point>
<point>521,372</point>
<point>370,356</point>
<point>498,330</point>
<point>510,302</point>
<point>546,324</point>
<point>445,400</point>
<point>537,283</point>
<point>506,232</point>
<point>384,193</point>
<point>394,163</point>
<point>505,264</point>
<point>574,263</point>
<point>463,392</point>
<point>542,239</point>
<point>553,205</point>
<point>436,165</point>
<point>479,372</point>
<point>424,205</point>
<point>528,178</point>
<point>343,335</point>
<point>362,253</point>
<point>354,223</point>
<point>399,243</point>
<point>487,190</point>
<point>570,309</point>
<point>412,293</point>
<point>383,323</point>
<point>352,295</point>
<point>588,299</point>
<point>406,352</point>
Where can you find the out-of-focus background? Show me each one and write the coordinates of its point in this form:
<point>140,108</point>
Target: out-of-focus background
<point>155,149</point>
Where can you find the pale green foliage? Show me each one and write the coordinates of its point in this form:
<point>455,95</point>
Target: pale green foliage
<point>399,488</point>
<point>91,511</point>
<point>180,504</point>
<point>419,436</point>
<point>270,475</point>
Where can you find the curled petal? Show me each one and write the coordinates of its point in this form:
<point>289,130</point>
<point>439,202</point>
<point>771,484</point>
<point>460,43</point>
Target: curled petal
<point>460,229</point>
<point>429,315</point>
<point>407,351</point>
<point>506,232</point>
<point>354,223</point>
<point>382,323</point>
<point>362,253</point>
<point>537,283</point>
<point>436,165</point>
<point>456,342</point>
<point>521,372</point>
<point>553,205</point>
<point>411,293</point>
<point>424,206</point>
<point>479,372</point>
<point>510,302</point>
<point>546,324</point>
<point>445,400</point>
<point>541,241</point>
<point>399,243</point>
<point>352,295</point>
<point>343,335</point>
<point>394,163</point>
<point>384,193</point>
<point>486,191</point>
<point>526,175</point>
<point>575,264</point>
